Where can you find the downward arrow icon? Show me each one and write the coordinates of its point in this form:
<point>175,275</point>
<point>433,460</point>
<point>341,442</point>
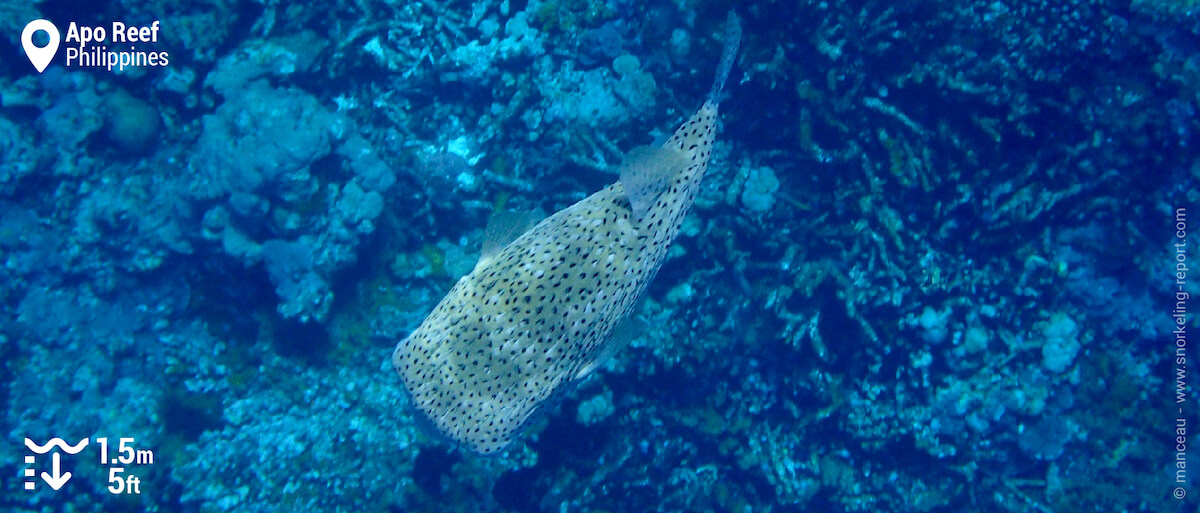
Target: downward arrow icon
<point>55,481</point>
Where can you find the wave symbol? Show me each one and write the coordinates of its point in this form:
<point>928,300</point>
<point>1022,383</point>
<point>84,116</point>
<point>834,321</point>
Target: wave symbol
<point>43,449</point>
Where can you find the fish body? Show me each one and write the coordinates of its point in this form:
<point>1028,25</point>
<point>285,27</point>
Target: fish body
<point>539,313</point>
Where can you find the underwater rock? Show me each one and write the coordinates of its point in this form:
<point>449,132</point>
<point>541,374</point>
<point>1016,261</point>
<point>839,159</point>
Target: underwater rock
<point>130,123</point>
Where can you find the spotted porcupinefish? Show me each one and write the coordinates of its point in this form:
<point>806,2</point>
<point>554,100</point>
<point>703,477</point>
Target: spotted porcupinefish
<point>539,313</point>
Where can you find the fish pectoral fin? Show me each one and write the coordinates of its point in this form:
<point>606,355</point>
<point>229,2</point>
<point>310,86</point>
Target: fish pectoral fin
<point>622,335</point>
<point>503,227</point>
<point>645,173</point>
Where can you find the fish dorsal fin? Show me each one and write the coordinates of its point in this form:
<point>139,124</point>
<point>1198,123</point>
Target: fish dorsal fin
<point>645,173</point>
<point>503,227</point>
<point>623,333</point>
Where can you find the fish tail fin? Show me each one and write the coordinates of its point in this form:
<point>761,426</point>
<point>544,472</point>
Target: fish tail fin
<point>733,38</point>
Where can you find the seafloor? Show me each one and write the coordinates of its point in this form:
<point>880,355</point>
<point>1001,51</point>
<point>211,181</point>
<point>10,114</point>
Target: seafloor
<point>933,267</point>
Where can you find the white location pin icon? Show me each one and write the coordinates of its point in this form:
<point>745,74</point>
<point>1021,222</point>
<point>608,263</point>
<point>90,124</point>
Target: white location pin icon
<point>40,57</point>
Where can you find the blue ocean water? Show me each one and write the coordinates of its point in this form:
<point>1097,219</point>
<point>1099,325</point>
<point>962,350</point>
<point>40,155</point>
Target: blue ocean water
<point>942,259</point>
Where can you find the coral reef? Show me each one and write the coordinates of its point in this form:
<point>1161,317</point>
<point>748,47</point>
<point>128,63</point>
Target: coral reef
<point>931,269</point>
